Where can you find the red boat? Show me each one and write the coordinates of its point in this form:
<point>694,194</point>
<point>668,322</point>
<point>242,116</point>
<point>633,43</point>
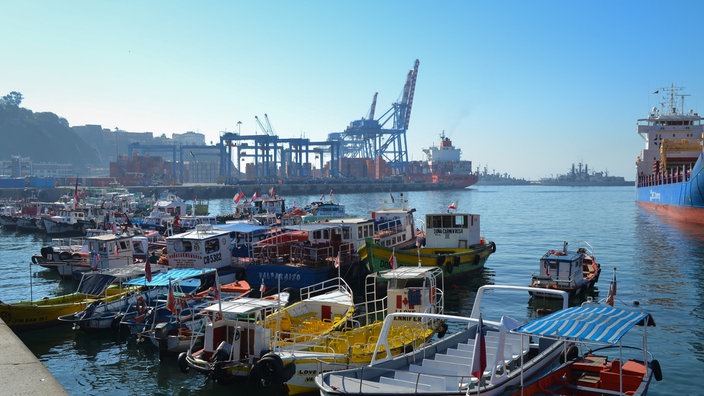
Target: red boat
<point>443,166</point>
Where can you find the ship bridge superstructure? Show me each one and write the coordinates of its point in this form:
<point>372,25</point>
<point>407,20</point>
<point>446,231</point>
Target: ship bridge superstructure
<point>673,137</point>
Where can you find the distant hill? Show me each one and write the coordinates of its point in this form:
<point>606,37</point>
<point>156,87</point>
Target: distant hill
<point>44,137</point>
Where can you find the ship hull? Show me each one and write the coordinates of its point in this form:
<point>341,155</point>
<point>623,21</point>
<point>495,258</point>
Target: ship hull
<point>455,181</point>
<point>679,200</point>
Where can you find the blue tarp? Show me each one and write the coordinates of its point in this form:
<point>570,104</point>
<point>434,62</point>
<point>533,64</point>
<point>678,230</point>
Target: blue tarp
<point>245,228</point>
<point>600,324</point>
<point>162,279</point>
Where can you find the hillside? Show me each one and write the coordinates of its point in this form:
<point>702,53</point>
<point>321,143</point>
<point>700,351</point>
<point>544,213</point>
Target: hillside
<point>44,137</point>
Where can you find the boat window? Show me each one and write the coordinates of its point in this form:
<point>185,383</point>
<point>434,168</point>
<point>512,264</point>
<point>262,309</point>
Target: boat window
<point>460,221</point>
<point>183,246</point>
<point>212,245</point>
<point>346,234</point>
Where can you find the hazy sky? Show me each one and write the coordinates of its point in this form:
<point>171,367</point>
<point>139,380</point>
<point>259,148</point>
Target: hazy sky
<point>524,87</point>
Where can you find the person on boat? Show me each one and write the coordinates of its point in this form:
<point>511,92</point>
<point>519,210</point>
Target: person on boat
<point>153,258</point>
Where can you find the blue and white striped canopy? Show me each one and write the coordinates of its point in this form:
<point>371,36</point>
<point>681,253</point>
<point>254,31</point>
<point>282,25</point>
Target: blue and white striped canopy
<point>600,324</point>
<point>162,279</point>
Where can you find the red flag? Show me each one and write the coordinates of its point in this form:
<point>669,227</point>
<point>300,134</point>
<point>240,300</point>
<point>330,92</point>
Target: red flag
<point>171,299</point>
<point>238,197</point>
<point>262,288</point>
<point>392,259</point>
<point>479,359</point>
<point>452,205</point>
<point>322,196</point>
<point>148,271</point>
<point>271,191</point>
<point>337,260</point>
<point>254,196</point>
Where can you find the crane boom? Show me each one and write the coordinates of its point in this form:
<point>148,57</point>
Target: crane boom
<point>412,77</point>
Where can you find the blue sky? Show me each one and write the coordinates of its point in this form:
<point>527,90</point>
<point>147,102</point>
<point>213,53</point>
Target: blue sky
<point>524,87</point>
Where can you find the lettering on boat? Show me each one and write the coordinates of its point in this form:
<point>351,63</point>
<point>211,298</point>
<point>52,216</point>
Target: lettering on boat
<point>440,231</point>
<point>654,196</point>
<point>213,258</point>
<point>185,255</point>
<point>280,276</point>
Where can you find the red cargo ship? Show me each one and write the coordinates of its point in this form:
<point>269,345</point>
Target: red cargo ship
<point>443,166</point>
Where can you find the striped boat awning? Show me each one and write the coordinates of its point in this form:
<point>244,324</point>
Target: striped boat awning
<point>600,324</point>
<point>162,279</point>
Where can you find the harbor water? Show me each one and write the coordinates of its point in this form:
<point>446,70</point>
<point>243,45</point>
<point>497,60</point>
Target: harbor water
<point>659,264</point>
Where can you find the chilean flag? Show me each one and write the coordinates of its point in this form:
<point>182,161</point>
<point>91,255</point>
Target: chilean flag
<point>392,259</point>
<point>254,196</point>
<point>452,205</point>
<point>238,197</point>
<point>171,299</point>
<point>479,357</point>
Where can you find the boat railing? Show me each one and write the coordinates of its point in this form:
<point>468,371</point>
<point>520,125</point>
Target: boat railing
<point>670,176</point>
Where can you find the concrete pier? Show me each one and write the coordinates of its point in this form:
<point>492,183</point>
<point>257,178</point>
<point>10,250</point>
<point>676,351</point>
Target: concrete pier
<point>21,373</point>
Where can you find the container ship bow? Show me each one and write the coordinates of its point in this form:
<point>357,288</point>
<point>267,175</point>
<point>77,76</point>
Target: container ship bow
<point>669,169</point>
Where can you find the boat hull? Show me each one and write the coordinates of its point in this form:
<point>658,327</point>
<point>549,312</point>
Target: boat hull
<point>451,260</point>
<point>679,200</point>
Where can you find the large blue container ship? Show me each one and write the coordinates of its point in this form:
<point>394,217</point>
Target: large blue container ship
<point>669,169</point>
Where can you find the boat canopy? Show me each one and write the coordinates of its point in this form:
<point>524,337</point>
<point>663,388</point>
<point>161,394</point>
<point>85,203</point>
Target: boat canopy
<point>598,324</point>
<point>162,279</point>
<point>244,305</point>
<point>94,284</point>
<point>245,228</point>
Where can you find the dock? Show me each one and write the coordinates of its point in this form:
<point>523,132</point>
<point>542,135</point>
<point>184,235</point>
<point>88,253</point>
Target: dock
<point>21,373</point>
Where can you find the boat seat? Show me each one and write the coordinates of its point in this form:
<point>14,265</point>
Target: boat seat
<point>435,382</point>
<point>455,368</point>
<point>406,384</point>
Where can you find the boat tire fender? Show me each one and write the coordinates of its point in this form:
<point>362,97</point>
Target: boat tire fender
<point>657,370</point>
<point>269,369</point>
<point>182,363</point>
<point>443,330</point>
<point>493,246</point>
<point>46,251</point>
<point>448,265</point>
<point>141,305</point>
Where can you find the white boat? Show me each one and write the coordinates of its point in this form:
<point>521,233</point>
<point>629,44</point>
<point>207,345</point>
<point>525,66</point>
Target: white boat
<point>476,356</point>
<point>602,368</point>
<point>240,333</point>
<point>72,221</point>
<point>574,271</point>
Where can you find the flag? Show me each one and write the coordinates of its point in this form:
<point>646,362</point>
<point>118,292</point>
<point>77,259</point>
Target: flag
<point>479,358</point>
<point>322,196</point>
<point>117,249</point>
<point>216,287</point>
<point>392,198</point>
<point>148,270</point>
<point>547,268</point>
<point>254,196</point>
<point>392,259</point>
<point>612,291</point>
<point>238,197</point>
<point>337,260</point>
<point>271,191</point>
<point>452,205</point>
<point>262,288</point>
<point>171,299</point>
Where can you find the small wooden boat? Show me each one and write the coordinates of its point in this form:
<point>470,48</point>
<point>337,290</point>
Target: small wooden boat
<point>451,241</point>
<point>598,371</point>
<point>240,333</point>
<point>25,315</point>
<point>574,271</point>
<point>475,357</point>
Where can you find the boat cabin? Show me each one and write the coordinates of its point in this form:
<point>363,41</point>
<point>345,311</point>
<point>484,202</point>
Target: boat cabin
<point>452,230</point>
<point>203,247</point>
<point>563,266</point>
<point>244,234</point>
<point>112,250</point>
<point>394,227</point>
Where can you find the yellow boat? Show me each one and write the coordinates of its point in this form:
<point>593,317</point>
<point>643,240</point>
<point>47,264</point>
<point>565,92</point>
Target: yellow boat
<point>451,241</point>
<point>409,289</point>
<point>26,315</point>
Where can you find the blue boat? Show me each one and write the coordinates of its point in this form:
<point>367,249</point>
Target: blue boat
<point>669,169</point>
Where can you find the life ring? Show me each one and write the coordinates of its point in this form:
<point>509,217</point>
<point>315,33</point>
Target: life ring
<point>493,246</point>
<point>141,305</point>
<point>183,363</point>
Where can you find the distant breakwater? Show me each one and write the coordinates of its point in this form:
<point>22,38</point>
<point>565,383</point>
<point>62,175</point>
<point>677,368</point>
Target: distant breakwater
<point>216,191</point>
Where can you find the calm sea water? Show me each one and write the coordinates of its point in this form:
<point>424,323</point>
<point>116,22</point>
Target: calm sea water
<point>659,264</point>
